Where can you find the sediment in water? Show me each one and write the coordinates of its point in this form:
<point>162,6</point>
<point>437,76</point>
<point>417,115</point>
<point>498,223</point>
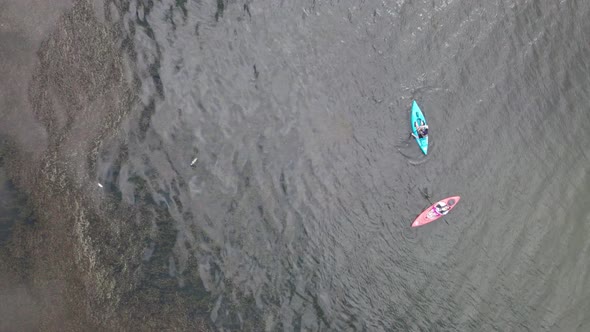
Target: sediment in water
<point>81,265</point>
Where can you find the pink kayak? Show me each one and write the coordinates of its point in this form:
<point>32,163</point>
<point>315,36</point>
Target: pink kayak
<point>431,214</point>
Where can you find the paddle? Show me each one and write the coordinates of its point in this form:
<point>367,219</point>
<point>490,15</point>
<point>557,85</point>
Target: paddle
<point>425,194</point>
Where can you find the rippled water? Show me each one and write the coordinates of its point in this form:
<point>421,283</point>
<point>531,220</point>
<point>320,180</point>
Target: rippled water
<point>298,207</point>
<point>306,183</point>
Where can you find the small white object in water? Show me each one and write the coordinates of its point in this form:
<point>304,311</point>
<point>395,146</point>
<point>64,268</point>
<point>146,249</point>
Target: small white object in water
<point>194,161</point>
<point>100,185</point>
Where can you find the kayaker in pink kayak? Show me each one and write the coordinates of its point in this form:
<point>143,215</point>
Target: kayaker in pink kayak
<point>436,211</point>
<point>442,208</point>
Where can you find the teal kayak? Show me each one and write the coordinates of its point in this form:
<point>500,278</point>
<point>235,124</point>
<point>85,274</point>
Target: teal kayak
<point>418,117</point>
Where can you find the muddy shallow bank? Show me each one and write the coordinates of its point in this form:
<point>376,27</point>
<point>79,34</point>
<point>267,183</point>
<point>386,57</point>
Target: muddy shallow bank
<point>82,265</point>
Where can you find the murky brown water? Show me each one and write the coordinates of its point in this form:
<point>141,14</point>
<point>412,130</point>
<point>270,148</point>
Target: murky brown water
<point>296,214</point>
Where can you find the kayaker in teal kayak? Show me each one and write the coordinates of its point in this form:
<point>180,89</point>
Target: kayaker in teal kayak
<point>419,127</point>
<point>422,130</point>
